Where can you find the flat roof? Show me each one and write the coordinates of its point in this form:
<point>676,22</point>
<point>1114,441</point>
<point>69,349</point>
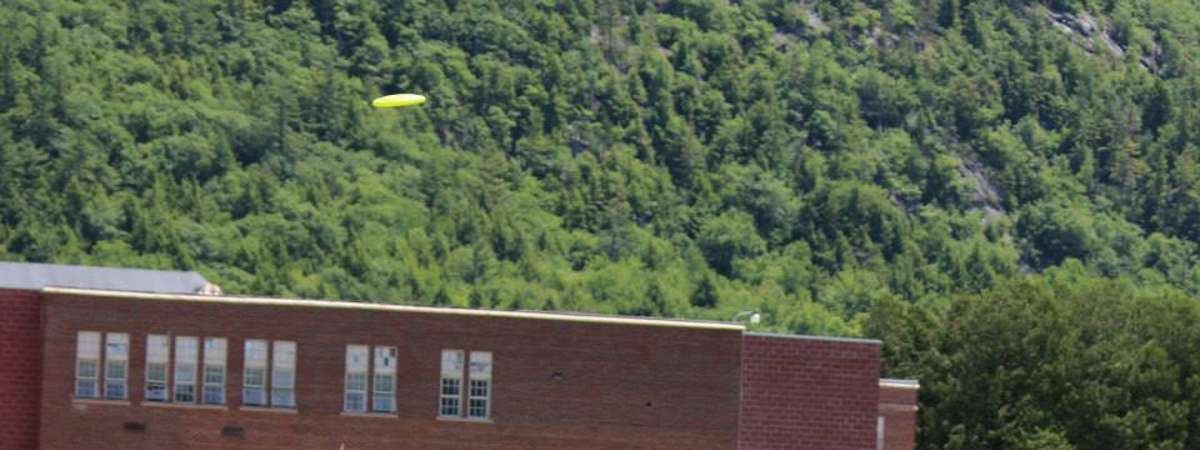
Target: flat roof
<point>35,276</point>
<point>266,301</point>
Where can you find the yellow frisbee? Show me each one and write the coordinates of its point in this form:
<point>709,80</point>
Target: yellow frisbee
<point>398,101</point>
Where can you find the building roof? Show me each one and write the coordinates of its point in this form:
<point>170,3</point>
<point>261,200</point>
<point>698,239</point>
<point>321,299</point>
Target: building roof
<point>384,307</point>
<point>35,276</point>
<point>818,338</point>
<point>899,383</point>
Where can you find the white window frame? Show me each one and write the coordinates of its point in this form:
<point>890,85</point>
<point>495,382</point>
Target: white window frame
<point>116,362</point>
<point>479,405</point>
<point>451,387</point>
<point>158,352</point>
<point>283,367</point>
<point>383,400</point>
<point>187,357</point>
<point>255,360</point>
<point>87,352</point>
<point>216,352</point>
<point>355,398</point>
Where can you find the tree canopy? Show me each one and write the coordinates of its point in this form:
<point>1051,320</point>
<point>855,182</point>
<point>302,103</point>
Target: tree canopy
<point>929,171</point>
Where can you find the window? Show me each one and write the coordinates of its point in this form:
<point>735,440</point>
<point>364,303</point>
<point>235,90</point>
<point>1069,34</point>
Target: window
<point>283,375</point>
<point>356,378</point>
<point>187,353</point>
<point>480,392</point>
<point>116,365</point>
<point>384,386</point>
<point>158,354</point>
<point>254,381</point>
<point>87,364</point>
<point>450,403</point>
<point>214,371</point>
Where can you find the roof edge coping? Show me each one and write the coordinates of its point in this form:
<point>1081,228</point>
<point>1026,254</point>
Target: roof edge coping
<point>900,383</point>
<point>267,301</point>
<point>817,338</point>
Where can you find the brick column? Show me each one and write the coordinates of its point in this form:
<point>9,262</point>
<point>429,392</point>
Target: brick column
<point>20,370</point>
<point>802,392</point>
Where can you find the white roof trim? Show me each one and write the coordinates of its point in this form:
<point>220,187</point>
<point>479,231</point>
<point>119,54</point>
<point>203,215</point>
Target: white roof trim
<point>899,384</point>
<point>264,301</point>
<point>816,338</point>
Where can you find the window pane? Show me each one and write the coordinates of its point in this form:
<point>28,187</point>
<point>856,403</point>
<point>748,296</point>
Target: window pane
<point>385,360</point>
<point>115,370</point>
<point>185,373</point>
<point>285,355</point>
<point>214,351</point>
<point>356,358</point>
<point>157,348</point>
<point>356,402</point>
<point>283,375</point>
<point>214,394</point>
<point>481,365</point>
<point>116,346</point>
<point>479,388</point>
<point>158,353</point>
<point>283,378</point>
<point>256,353</point>
<point>86,369</point>
<point>116,355</point>
<point>452,363</point>
<point>449,407</point>
<point>478,408</point>
<point>187,349</point>
<point>356,382</point>
<point>383,403</point>
<point>87,345</point>
<point>85,389</point>
<point>282,398</point>
<point>385,383</point>
<point>214,385</point>
<point>451,398</point>
<point>185,393</point>
<point>254,396</point>
<point>214,374</point>
<point>114,390</point>
<point>255,377</point>
<point>187,355</point>
<point>156,392</point>
<point>450,386</point>
<point>478,401</point>
<point>156,372</point>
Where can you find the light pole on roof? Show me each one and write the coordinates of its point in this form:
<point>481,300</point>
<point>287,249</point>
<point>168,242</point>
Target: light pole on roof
<point>754,317</point>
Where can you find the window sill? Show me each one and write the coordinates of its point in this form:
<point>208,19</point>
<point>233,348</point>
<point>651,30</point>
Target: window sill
<point>375,415</point>
<point>99,401</point>
<point>464,419</point>
<point>183,406</point>
<point>267,409</point>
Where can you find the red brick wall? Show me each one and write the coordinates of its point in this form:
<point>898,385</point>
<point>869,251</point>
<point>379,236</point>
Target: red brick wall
<point>898,406</point>
<point>808,393</point>
<point>625,386</point>
<point>20,362</point>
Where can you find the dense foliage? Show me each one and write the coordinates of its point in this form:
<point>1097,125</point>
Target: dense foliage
<point>908,169</point>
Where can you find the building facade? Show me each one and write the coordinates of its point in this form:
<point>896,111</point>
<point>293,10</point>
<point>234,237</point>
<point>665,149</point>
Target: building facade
<point>135,370</point>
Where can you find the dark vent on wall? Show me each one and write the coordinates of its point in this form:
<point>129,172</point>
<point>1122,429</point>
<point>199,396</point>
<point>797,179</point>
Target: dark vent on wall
<point>233,431</point>
<point>136,427</point>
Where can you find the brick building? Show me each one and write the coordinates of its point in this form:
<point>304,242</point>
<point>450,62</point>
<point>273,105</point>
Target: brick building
<point>102,368</point>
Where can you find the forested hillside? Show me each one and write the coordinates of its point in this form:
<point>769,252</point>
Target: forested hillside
<point>905,169</point>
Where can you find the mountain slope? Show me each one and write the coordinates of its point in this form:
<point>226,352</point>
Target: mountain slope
<point>689,158</point>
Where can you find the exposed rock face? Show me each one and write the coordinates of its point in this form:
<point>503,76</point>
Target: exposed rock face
<point>1085,26</point>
